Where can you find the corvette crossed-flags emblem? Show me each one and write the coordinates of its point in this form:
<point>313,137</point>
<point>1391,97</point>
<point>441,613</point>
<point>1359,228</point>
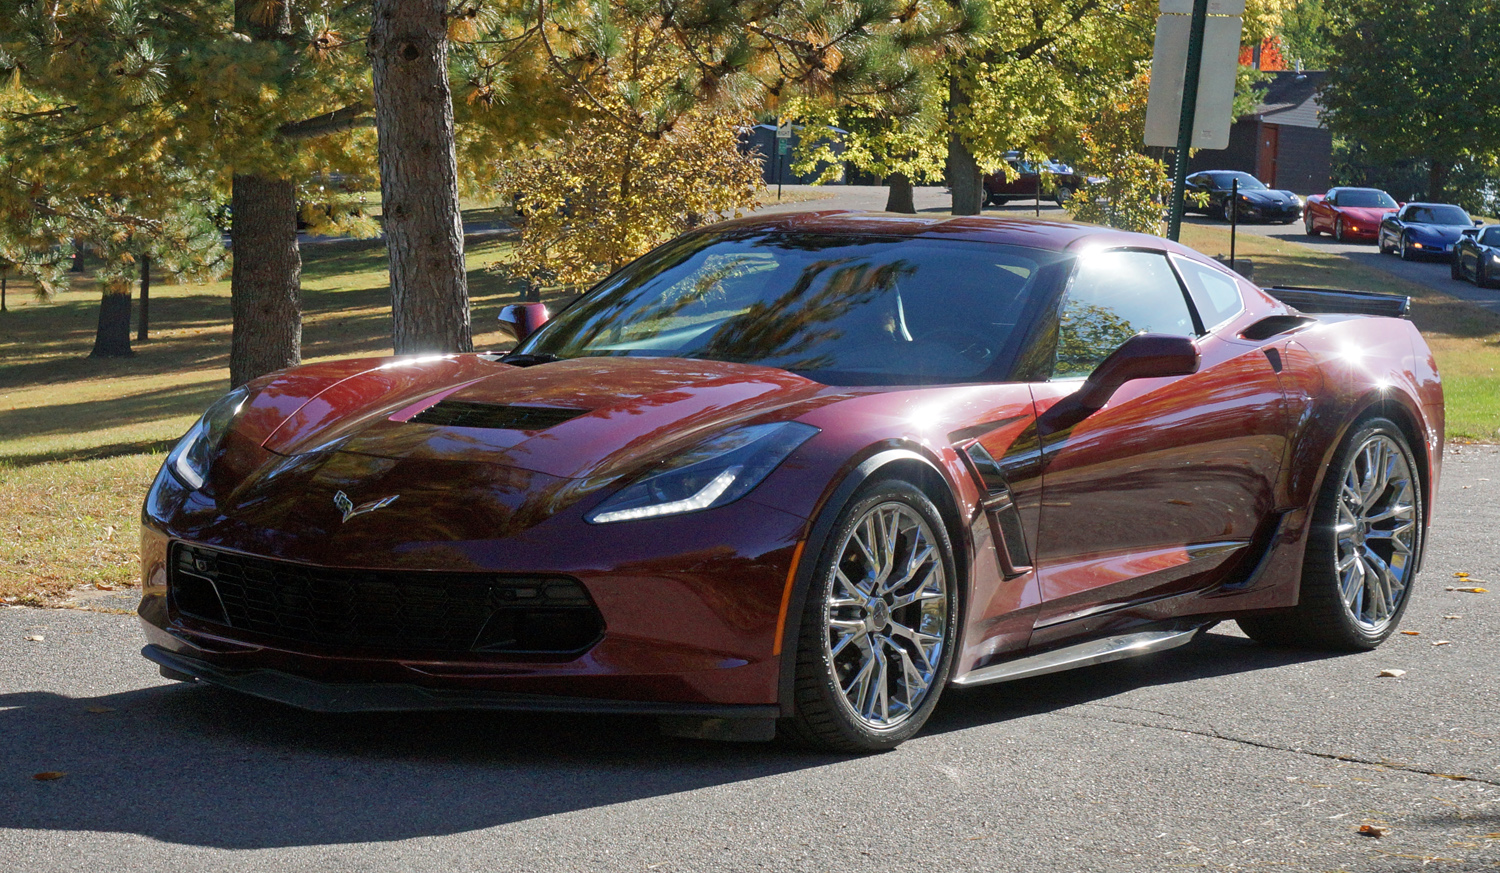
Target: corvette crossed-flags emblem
<point>347,507</point>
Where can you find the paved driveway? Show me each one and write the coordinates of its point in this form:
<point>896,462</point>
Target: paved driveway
<point>1221,755</point>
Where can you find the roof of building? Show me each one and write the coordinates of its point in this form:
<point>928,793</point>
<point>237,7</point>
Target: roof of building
<point>1291,99</point>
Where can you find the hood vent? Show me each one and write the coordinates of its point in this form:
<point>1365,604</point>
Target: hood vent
<point>459,413</point>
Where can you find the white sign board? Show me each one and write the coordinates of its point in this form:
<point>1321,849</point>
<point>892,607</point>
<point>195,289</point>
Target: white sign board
<point>784,131</point>
<point>1215,7</point>
<point>1221,60</point>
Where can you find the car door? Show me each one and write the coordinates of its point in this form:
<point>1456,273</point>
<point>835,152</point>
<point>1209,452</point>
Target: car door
<point>1160,492</point>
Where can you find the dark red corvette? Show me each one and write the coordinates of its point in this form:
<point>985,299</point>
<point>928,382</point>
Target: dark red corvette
<point>806,472</point>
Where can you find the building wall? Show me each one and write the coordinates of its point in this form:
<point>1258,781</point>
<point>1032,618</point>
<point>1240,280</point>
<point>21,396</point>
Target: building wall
<point>1305,160</point>
<point>1239,156</point>
<point>761,141</point>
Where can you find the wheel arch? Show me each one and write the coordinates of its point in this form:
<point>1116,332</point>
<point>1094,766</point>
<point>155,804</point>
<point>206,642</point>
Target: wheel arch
<point>882,462</point>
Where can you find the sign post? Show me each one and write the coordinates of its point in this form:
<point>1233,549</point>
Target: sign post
<point>783,145</point>
<point>1192,84</point>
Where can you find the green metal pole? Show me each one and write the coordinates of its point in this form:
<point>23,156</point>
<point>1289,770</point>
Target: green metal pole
<point>1189,110</point>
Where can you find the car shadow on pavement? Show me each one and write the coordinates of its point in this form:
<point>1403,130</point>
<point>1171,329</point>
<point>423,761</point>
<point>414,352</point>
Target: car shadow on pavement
<point>201,766</point>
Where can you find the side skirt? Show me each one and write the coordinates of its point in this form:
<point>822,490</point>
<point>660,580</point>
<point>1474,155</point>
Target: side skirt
<point>1099,651</point>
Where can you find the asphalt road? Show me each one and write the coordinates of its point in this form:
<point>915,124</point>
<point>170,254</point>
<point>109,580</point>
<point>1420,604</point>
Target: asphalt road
<point>1221,755</point>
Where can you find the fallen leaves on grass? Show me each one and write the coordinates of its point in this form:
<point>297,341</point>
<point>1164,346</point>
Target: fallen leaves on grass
<point>48,775</point>
<point>1392,674</point>
<point>1370,830</point>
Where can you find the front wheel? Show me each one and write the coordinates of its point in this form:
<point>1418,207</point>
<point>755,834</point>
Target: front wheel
<point>1404,249</point>
<point>1308,228</point>
<point>1363,549</point>
<point>1456,270</point>
<point>1482,275</point>
<point>1061,193</point>
<point>879,626</point>
<point>1338,230</point>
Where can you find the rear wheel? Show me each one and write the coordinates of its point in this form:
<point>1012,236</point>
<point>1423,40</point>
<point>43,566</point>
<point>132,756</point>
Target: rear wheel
<point>1061,193</point>
<point>1363,549</point>
<point>997,200</point>
<point>880,624</point>
<point>1456,269</point>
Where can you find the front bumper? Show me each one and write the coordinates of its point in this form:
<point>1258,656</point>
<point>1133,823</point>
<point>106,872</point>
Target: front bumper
<point>334,697</point>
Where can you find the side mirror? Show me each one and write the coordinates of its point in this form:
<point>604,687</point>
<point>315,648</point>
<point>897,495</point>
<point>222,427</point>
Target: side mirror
<point>521,320</point>
<point>1478,223</point>
<point>1143,356</point>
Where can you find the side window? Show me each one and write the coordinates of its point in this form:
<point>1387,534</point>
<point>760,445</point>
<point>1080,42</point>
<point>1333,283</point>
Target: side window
<point>1115,295</point>
<point>1492,237</point>
<point>1216,294</point>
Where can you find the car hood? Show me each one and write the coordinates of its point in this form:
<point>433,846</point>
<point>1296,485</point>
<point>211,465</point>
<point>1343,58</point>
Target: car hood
<point>1365,214</point>
<point>1266,195</point>
<point>1445,232</point>
<point>586,418</point>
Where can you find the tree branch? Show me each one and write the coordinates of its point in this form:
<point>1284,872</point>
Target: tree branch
<point>337,121</point>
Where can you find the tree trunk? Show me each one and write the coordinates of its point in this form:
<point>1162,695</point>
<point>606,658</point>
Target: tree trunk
<point>1437,179</point>
<point>266,284</point>
<point>900,198</point>
<point>143,324</point>
<point>964,177</point>
<point>112,338</point>
<point>419,176</point>
<point>4,277</point>
<point>266,281</point>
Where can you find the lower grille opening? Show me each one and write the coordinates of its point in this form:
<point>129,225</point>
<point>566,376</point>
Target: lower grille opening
<point>413,611</point>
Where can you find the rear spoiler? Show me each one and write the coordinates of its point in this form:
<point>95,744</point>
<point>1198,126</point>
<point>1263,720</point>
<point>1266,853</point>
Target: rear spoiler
<point>1328,300</point>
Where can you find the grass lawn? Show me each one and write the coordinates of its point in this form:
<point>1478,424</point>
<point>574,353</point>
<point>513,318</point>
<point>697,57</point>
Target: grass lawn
<point>80,439</point>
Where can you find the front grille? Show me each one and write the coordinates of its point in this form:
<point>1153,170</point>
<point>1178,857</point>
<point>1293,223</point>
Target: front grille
<point>396,610</point>
<point>460,413</point>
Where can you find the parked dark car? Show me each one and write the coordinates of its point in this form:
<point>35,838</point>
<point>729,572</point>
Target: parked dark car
<point>801,473</point>
<point>1257,202</point>
<point>1056,181</point>
<point>1347,213</point>
<point>1476,256</point>
<point>1423,230</point>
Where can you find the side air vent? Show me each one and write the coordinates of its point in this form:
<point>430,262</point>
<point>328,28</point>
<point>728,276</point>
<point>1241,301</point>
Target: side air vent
<point>1276,324</point>
<point>458,413</point>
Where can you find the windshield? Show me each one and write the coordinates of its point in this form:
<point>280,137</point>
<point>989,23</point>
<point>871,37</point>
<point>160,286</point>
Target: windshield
<point>1446,215</point>
<point>840,309</point>
<point>1365,198</point>
<point>1247,181</point>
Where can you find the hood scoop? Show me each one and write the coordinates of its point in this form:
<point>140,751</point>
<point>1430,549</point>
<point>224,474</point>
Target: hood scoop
<point>495,416</point>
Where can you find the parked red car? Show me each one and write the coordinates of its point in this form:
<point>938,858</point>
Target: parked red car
<point>1347,213</point>
<point>1056,181</point>
<point>800,474</point>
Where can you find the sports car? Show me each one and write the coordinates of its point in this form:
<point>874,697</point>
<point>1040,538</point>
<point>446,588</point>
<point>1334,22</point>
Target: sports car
<point>1423,230</point>
<point>1253,201</point>
<point>1476,256</point>
<point>802,474</point>
<point>1347,213</point>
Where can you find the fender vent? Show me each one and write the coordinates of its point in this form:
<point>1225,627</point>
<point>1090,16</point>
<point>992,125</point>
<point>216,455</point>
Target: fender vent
<point>1274,325</point>
<point>459,413</point>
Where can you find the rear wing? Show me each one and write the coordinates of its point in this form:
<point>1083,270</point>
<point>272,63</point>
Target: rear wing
<point>1331,301</point>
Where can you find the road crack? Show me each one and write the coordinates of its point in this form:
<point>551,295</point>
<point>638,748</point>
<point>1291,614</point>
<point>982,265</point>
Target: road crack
<point>1215,734</point>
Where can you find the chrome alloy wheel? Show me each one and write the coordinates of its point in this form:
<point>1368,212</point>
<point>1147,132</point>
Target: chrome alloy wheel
<point>1376,532</point>
<point>887,614</point>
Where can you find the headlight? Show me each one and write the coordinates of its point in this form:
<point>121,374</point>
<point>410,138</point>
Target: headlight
<point>713,473</point>
<point>191,456</point>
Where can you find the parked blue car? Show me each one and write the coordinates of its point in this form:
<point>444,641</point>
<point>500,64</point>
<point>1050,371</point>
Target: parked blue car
<point>1423,230</point>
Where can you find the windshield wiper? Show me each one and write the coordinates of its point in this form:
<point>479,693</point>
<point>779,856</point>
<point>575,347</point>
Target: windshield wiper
<point>529,360</point>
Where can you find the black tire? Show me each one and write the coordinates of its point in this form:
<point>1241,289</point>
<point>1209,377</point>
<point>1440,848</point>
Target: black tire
<point>1323,618</point>
<point>1482,275</point>
<point>1405,250</point>
<point>1338,230</point>
<point>825,718</point>
<point>1307,226</point>
<point>1229,215</point>
<point>1061,193</point>
<point>1456,270</point>
<point>1380,239</point>
<point>997,200</point>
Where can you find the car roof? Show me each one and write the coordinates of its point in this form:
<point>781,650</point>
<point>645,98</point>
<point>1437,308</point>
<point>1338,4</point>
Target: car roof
<point>1454,205</point>
<point>1034,233</point>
